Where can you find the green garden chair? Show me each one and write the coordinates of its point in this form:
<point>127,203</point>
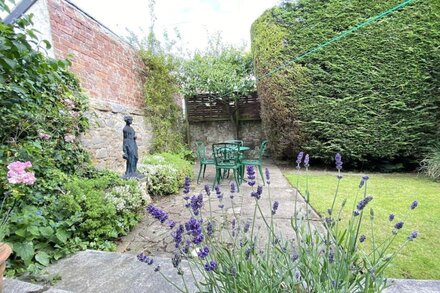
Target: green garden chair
<point>256,162</point>
<point>203,159</point>
<point>226,158</point>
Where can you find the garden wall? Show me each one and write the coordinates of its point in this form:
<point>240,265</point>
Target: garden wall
<point>109,71</point>
<point>211,132</point>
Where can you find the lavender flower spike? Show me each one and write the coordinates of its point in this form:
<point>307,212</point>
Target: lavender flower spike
<point>414,204</point>
<point>306,161</point>
<point>412,236</point>
<point>338,160</point>
<point>363,180</point>
<point>266,171</point>
<point>275,207</point>
<point>299,160</point>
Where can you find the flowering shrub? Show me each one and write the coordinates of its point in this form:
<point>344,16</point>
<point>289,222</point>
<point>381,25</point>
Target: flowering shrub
<point>330,257</point>
<point>164,172</point>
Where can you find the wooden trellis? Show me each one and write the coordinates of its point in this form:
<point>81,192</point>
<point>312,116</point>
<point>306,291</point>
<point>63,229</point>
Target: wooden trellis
<point>207,107</point>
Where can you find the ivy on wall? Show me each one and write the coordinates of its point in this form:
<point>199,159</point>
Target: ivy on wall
<point>373,96</point>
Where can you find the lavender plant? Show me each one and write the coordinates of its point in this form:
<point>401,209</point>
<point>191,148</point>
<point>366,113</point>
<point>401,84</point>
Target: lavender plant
<point>226,253</point>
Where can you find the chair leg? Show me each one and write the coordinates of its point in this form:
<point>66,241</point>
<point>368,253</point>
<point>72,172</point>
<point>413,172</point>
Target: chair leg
<point>261,173</point>
<point>200,170</point>
<point>237,178</point>
<point>204,169</point>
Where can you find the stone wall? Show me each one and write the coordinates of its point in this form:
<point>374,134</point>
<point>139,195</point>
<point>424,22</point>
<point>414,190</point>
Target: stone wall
<point>104,140</point>
<point>110,73</point>
<point>211,132</point>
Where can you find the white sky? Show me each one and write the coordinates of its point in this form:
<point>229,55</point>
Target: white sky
<point>194,19</point>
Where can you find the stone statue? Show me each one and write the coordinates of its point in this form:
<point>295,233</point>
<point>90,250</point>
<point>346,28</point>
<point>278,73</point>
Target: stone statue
<point>130,150</point>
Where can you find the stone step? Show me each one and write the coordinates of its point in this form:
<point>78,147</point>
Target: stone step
<point>98,271</point>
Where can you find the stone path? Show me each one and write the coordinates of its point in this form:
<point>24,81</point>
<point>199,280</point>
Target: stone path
<point>154,238</point>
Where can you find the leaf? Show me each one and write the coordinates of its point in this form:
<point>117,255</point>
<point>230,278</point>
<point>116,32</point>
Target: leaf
<point>43,258</point>
<point>25,251</point>
<point>46,231</point>
<point>33,230</point>
<point>62,235</point>
<point>21,232</point>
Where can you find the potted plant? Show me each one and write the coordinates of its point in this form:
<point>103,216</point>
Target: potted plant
<point>17,175</point>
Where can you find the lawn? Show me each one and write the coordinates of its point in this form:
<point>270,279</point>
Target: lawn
<point>392,193</point>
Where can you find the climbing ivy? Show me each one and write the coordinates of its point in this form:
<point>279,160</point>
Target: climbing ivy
<point>373,96</point>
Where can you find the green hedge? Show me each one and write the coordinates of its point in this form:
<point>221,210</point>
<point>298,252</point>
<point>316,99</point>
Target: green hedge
<point>372,96</point>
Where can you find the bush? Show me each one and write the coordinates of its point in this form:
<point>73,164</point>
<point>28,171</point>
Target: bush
<point>165,172</point>
<point>431,165</point>
<point>372,95</point>
<point>70,206</point>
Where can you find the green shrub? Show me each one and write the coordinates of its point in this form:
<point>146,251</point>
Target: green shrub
<point>431,164</point>
<point>372,95</point>
<point>165,172</point>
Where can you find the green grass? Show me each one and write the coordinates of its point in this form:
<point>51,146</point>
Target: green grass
<point>392,193</point>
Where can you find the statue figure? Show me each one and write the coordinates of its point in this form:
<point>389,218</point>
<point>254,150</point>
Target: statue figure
<point>130,150</point>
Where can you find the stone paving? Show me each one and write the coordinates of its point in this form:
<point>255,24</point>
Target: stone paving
<point>153,238</point>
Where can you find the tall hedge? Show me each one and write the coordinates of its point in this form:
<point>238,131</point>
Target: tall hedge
<point>373,96</point>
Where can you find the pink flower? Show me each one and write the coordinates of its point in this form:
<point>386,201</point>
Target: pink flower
<point>17,173</point>
<point>44,136</point>
<point>69,138</point>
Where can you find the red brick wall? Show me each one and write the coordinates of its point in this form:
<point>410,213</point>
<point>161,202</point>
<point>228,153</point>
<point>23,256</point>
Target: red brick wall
<point>108,68</point>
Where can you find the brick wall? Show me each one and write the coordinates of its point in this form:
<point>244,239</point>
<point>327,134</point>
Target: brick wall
<point>109,69</point>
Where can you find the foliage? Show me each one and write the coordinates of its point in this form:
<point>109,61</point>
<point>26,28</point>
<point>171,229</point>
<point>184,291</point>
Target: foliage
<point>222,70</point>
<point>42,114</point>
<point>431,164</point>
<point>230,258</point>
<point>165,172</point>
<point>160,90</point>
<point>390,191</point>
<point>372,95</point>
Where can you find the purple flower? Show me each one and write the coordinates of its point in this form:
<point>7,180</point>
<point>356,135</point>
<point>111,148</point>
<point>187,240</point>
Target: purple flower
<point>275,207</point>
<point>196,203</point>
<point>208,190</point>
<point>157,213</point>
<point>361,205</point>
<point>203,252</point>
<point>399,225</point>
<point>250,171</point>
<point>295,256</point>
<point>145,259</point>
<point>185,249</point>
<point>356,213</point>
<point>266,171</point>
<point>198,239</point>
<point>209,229</point>
<point>391,217</point>
<point>193,227</point>
<point>218,192</point>
<point>186,185</point>
<point>177,235</point>
<point>412,236</point>
<point>156,269</point>
<point>331,257</point>
<point>210,266</point>
<point>338,161</point>
<point>233,189</point>
<point>171,224</point>
<point>363,180</point>
<point>414,204</point>
<point>246,227</point>
<point>221,206</point>
<point>299,158</point>
<point>298,275</point>
<point>362,238</point>
<point>306,161</point>
<point>177,258</point>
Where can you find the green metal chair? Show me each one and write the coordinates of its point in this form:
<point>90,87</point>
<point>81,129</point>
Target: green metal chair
<point>203,159</point>
<point>256,162</point>
<point>226,158</point>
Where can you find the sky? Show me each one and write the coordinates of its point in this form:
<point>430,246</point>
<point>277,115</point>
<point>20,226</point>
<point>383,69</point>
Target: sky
<point>194,19</point>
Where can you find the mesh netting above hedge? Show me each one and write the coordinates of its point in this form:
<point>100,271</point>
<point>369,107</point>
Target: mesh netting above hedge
<point>372,96</point>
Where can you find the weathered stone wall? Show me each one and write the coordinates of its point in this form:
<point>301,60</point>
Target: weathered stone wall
<point>211,132</point>
<point>104,140</point>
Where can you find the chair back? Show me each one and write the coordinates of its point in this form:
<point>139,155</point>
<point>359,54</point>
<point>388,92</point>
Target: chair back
<point>263,147</point>
<point>237,141</point>
<point>201,150</point>
<point>226,154</point>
